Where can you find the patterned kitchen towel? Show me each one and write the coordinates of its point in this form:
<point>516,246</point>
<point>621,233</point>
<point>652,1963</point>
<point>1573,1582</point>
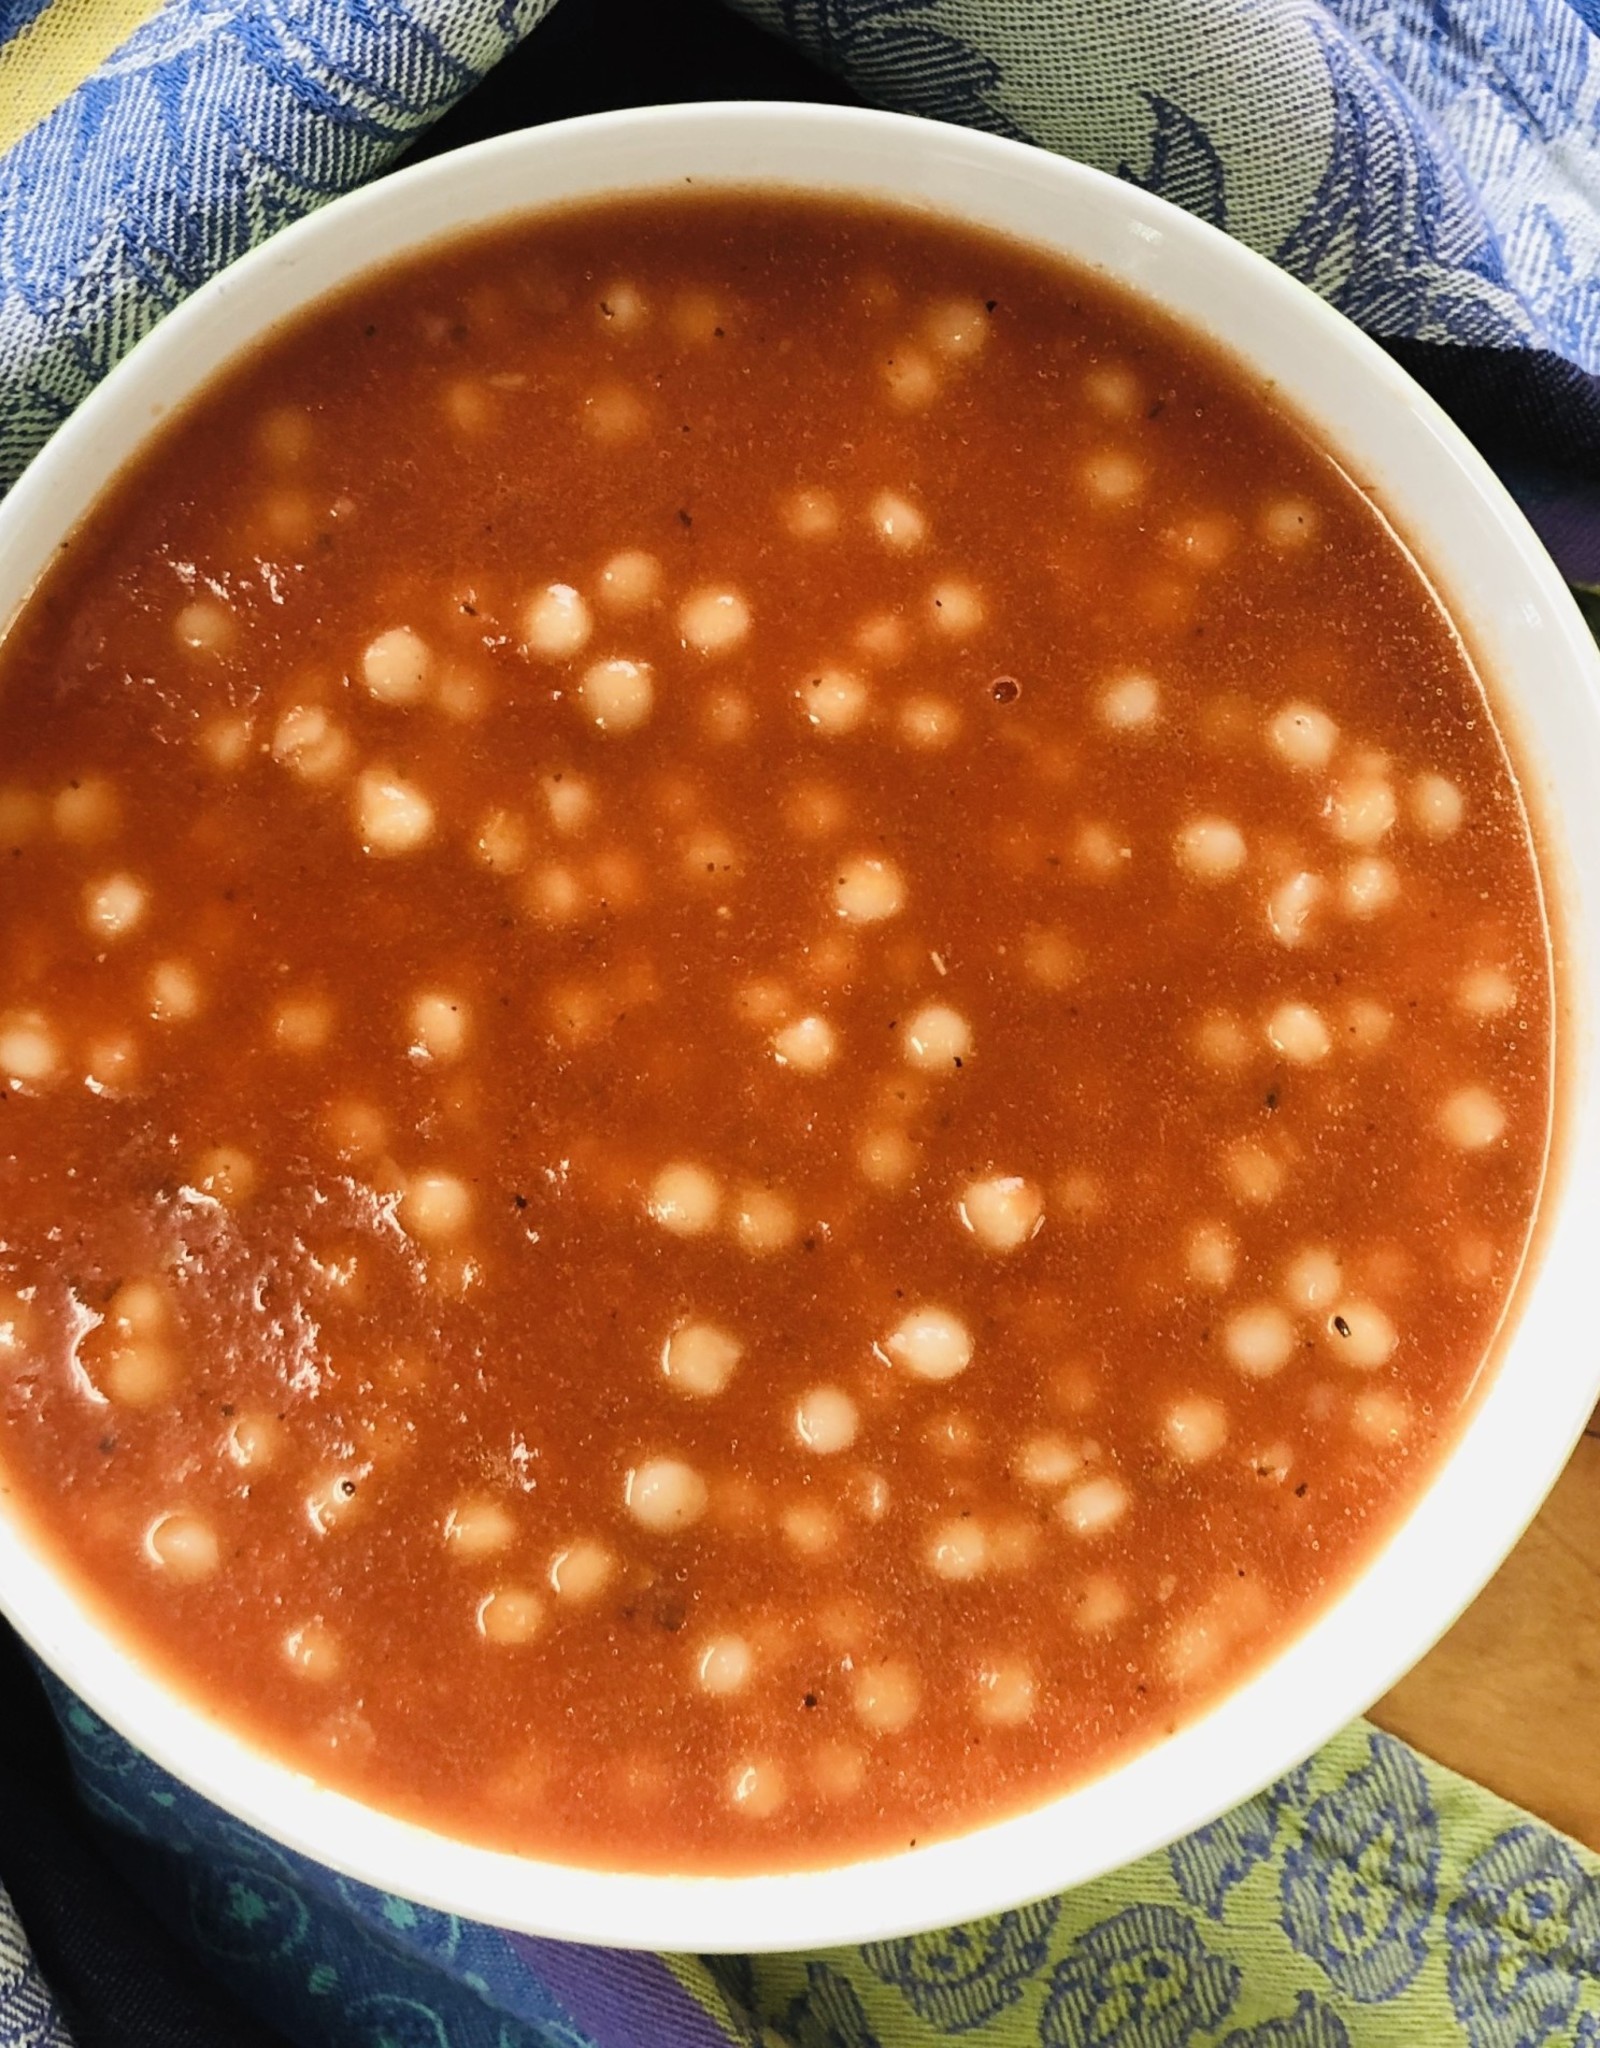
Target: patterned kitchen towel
<point>145,145</point>
<point>1367,1900</point>
<point>29,2015</point>
<point>1430,166</point>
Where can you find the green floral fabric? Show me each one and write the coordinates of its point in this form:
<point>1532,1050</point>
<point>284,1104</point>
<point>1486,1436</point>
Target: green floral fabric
<point>1368,1900</point>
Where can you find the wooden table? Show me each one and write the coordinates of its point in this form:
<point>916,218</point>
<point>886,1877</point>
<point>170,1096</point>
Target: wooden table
<point>1511,1696</point>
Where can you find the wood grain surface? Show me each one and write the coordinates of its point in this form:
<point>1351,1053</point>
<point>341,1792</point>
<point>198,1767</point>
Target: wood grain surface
<point>1511,1696</point>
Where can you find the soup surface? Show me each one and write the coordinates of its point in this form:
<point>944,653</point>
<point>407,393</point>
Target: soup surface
<point>775,1034</point>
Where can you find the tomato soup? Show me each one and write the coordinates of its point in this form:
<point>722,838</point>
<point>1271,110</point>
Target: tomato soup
<point>776,1035</point>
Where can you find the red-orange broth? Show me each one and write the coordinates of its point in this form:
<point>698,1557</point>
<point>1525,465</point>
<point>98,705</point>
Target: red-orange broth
<point>775,1035</point>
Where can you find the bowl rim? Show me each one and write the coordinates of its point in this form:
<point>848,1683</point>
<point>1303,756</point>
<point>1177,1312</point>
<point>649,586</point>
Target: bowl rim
<point>1436,1560</point>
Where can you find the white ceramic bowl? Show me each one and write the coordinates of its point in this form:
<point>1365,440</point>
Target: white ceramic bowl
<point>1530,641</point>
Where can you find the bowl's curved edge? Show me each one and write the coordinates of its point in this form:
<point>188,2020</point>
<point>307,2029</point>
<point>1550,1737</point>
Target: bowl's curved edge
<point>1445,1549</point>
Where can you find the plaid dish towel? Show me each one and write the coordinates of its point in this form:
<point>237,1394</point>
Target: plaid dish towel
<point>1433,167</point>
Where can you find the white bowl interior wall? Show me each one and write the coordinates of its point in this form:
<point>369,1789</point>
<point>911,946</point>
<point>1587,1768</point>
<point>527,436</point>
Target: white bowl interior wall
<point>1526,634</point>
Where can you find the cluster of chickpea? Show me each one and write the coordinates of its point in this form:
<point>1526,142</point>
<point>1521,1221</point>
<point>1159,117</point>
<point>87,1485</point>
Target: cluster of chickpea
<point>578,633</point>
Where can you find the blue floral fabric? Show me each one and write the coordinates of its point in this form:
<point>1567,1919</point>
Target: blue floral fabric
<point>29,2015</point>
<point>1367,1900</point>
<point>215,123</point>
<point>1430,166</point>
